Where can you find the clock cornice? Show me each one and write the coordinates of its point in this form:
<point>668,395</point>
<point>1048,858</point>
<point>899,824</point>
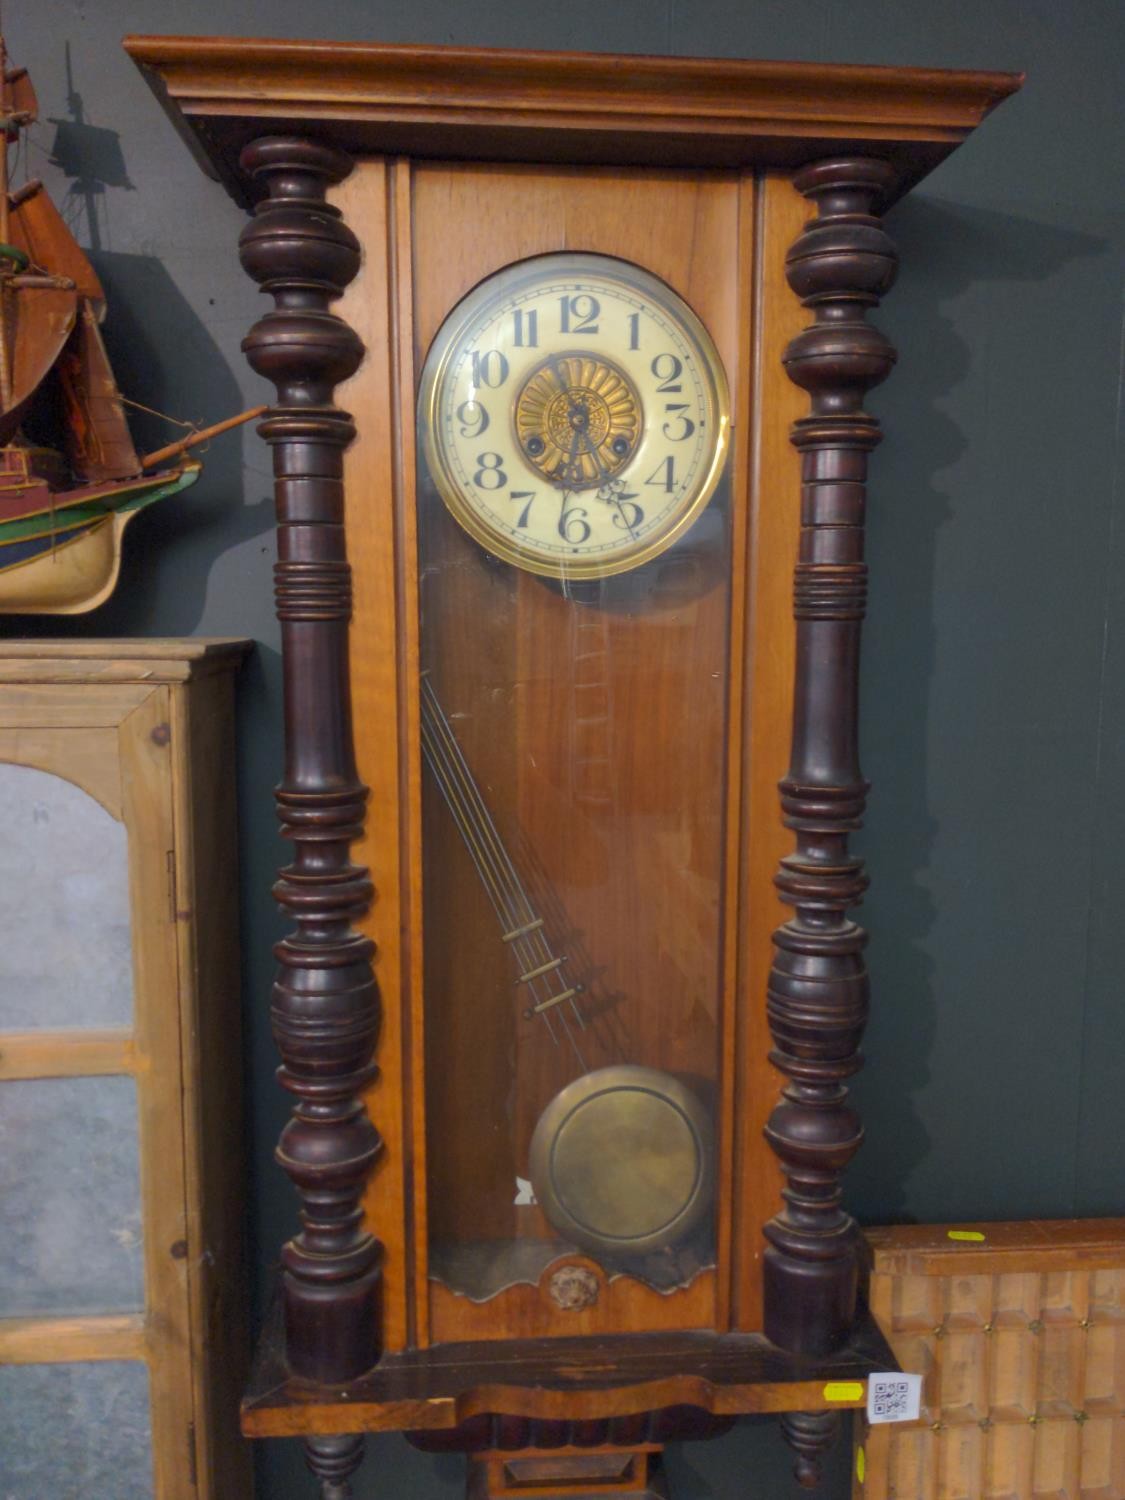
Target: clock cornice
<point>466,103</point>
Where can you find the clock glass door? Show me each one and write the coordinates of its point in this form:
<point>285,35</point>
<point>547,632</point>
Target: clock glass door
<point>574,534</point>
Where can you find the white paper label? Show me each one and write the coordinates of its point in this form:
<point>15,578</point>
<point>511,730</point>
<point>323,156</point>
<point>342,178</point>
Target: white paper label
<point>525,1193</point>
<point>893,1398</point>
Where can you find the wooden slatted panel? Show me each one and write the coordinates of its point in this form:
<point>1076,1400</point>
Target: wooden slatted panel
<point>1020,1339</point>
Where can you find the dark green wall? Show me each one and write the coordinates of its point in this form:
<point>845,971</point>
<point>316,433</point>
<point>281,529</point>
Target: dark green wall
<point>994,684</point>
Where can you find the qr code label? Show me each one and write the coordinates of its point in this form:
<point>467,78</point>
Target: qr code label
<point>893,1398</point>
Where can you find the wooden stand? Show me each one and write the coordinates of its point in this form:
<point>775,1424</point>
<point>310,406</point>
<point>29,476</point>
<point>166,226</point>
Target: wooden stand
<point>580,152</point>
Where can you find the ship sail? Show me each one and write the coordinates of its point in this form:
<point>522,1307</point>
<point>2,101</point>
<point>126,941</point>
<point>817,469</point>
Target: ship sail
<point>70,477</point>
<point>37,319</point>
<point>99,445</point>
<point>21,98</point>
<point>43,273</point>
<point>51,303</point>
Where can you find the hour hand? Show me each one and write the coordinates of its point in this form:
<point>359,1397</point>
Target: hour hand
<point>570,470</point>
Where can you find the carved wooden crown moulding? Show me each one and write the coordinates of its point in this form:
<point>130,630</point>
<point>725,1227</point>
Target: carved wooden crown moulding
<point>467,102</point>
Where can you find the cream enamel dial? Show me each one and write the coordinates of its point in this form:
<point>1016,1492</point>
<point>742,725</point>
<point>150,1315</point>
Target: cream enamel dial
<point>574,415</point>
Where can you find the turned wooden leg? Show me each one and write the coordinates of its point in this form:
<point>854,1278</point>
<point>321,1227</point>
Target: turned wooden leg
<point>810,1434</point>
<point>334,1460</point>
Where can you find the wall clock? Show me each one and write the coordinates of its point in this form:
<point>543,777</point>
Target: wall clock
<point>579,583</point>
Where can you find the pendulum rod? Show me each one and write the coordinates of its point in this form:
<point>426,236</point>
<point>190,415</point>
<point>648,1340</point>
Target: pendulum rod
<point>550,994</point>
<point>520,926</point>
<point>483,856</point>
<point>485,851</point>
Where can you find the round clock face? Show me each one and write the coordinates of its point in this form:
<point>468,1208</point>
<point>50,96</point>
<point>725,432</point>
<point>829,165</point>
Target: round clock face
<point>574,414</point>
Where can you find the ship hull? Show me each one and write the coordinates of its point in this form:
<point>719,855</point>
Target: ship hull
<point>64,559</point>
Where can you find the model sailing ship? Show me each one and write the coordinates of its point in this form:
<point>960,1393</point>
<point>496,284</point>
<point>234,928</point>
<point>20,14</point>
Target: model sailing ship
<point>64,502</point>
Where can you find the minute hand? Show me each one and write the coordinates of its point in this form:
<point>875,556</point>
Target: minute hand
<point>567,491</point>
<point>606,482</point>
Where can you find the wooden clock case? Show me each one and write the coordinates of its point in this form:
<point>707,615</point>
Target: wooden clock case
<point>386,182</point>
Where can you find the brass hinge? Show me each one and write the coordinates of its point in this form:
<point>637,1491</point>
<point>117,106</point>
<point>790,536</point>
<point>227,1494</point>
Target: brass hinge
<point>193,1463</point>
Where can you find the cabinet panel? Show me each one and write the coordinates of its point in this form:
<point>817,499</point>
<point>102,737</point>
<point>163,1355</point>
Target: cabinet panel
<point>65,956</point>
<point>71,1195</point>
<point>76,1430</point>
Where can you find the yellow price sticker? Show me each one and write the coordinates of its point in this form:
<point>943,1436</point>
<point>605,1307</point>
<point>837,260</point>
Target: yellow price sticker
<point>844,1390</point>
<point>860,1465</point>
<point>973,1235</point>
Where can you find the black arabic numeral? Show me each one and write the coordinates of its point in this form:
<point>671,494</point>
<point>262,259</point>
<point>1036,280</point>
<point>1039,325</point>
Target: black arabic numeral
<point>676,409</point>
<point>527,328</point>
<point>574,527</point>
<point>630,515</point>
<point>583,309</point>
<point>473,418</point>
<point>490,476</point>
<point>668,369</point>
<point>490,368</point>
<point>529,496</point>
<point>664,474</point>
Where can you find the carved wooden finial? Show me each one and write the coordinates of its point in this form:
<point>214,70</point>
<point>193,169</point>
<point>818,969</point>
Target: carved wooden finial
<point>325,1002</point>
<point>840,265</point>
<point>811,1434</point>
<point>334,1460</point>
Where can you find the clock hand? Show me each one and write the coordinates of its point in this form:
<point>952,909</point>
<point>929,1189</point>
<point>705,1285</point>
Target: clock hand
<point>571,456</point>
<point>576,411</point>
<point>553,362</point>
<point>591,449</point>
<point>606,482</point>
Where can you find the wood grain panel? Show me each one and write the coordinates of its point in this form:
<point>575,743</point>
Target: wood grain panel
<point>770,657</point>
<point>98,662</point>
<point>736,1004</point>
<point>146,759</point>
<point>623,1303</point>
<point>205,868</point>
<point>373,504</point>
<point>44,1341</point>
<point>66,1054</point>
<point>40,706</point>
<point>96,769</point>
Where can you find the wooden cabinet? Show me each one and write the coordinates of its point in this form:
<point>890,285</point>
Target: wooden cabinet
<point>122,1299</point>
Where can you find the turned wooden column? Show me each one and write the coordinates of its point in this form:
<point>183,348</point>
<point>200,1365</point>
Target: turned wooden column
<point>840,265</point>
<point>325,1003</point>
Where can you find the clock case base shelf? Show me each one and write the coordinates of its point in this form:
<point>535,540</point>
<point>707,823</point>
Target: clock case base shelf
<point>442,1394</point>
